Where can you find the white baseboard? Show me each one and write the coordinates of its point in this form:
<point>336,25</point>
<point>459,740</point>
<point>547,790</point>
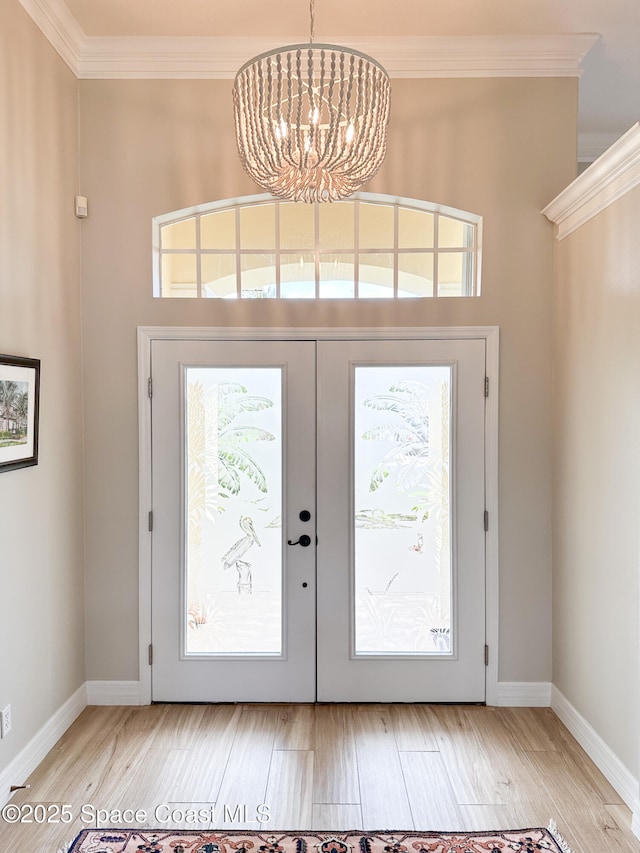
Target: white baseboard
<point>113,692</point>
<point>599,752</point>
<point>26,761</point>
<point>635,821</point>
<point>524,694</point>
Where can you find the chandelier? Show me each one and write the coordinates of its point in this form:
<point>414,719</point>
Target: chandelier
<point>311,119</point>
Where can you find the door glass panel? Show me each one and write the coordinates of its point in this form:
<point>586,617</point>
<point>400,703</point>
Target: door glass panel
<point>402,525</point>
<point>233,482</point>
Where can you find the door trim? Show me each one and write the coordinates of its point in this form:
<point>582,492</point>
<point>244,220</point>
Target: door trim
<point>147,334</point>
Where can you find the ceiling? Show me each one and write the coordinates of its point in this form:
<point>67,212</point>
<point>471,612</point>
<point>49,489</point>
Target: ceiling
<point>609,86</point>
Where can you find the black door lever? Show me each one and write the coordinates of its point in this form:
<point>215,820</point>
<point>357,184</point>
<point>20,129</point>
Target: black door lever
<point>304,540</point>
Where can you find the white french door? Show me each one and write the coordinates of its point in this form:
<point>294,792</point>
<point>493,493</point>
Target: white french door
<point>401,577</point>
<point>233,450</point>
<point>318,520</point>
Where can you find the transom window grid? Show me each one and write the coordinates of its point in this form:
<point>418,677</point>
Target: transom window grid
<point>264,248</point>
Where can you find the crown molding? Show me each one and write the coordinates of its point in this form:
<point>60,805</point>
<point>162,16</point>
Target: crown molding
<point>481,56</point>
<point>219,58</point>
<point>60,28</point>
<point>437,56</point>
<point>611,176</point>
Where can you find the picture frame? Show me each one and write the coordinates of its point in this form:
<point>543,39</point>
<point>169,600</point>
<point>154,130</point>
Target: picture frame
<point>19,411</point>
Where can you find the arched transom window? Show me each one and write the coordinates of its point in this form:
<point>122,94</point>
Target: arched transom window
<point>369,247</point>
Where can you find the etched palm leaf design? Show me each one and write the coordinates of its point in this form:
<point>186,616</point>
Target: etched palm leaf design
<point>217,456</point>
<point>217,444</point>
<point>418,467</point>
<point>233,458</point>
<point>408,459</point>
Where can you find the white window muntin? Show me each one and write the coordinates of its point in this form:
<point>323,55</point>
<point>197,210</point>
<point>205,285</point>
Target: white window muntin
<point>469,249</point>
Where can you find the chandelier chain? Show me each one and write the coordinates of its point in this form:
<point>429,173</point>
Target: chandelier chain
<point>312,20</point>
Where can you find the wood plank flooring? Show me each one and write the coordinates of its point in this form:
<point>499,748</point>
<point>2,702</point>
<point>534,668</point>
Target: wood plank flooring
<point>323,767</point>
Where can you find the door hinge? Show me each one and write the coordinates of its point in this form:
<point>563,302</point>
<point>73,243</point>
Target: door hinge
<point>486,520</point>
<point>150,654</point>
<point>149,387</point>
<point>486,386</point>
<point>150,520</point>
<point>486,655</point>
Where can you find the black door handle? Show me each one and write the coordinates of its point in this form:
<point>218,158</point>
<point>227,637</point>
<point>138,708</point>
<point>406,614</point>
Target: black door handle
<point>304,540</point>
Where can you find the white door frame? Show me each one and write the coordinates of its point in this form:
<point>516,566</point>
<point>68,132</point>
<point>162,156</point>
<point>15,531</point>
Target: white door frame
<point>147,334</point>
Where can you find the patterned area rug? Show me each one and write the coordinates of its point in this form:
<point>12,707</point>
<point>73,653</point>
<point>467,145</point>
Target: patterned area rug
<point>214,841</point>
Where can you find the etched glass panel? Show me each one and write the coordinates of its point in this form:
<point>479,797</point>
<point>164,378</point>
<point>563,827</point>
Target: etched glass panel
<point>402,527</point>
<point>233,482</point>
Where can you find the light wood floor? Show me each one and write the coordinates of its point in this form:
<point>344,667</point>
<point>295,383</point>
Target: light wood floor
<point>327,767</point>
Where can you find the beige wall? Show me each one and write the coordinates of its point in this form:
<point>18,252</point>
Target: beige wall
<point>597,474</point>
<point>498,147</point>
<point>41,572</point>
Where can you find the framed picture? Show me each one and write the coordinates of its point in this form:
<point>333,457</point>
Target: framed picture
<point>19,403</point>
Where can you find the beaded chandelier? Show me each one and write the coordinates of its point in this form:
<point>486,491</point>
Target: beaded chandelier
<point>311,119</point>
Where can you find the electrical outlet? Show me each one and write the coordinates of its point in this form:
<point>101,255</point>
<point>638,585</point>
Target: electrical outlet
<point>5,721</point>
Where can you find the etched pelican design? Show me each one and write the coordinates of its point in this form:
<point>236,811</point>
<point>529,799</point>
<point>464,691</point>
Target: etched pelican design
<point>237,551</point>
<point>245,578</point>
